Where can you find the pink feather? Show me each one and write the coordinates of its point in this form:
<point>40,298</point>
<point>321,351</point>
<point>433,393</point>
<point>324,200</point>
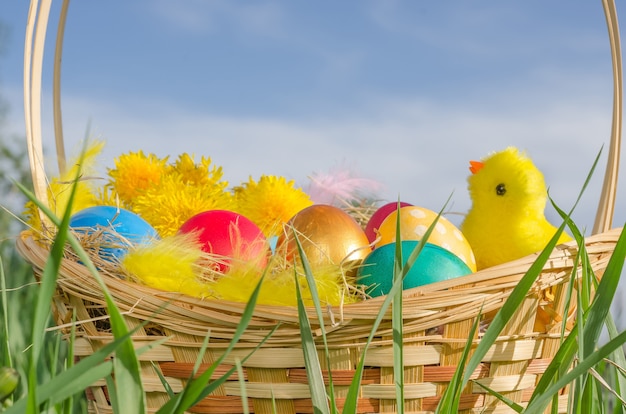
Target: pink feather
<point>340,186</point>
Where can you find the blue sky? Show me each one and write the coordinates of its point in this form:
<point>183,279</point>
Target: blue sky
<point>403,92</point>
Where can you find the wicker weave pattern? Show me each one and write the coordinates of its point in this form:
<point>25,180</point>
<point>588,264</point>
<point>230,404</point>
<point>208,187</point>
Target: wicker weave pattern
<point>434,316</point>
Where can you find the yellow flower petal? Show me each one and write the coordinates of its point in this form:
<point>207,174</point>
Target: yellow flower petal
<point>134,173</point>
<point>270,202</point>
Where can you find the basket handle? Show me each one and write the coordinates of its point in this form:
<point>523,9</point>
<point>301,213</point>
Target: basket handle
<point>33,61</point>
<point>606,206</point>
<point>36,27</point>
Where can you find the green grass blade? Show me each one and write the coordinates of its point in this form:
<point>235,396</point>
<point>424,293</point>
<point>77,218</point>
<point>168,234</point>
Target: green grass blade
<point>7,360</point>
<point>310,347</point>
<point>212,386</point>
<point>205,345</point>
<point>350,404</point>
<point>510,306</point>
<point>70,357</point>
<point>578,386</point>
<point>449,402</point>
<point>114,399</point>
<point>74,380</point>
<point>560,362</point>
<point>597,313</point>
<point>126,366</point>
<point>585,279</point>
<point>199,387</point>
<point>242,386</point>
<point>618,356</point>
<point>41,315</point>
<point>311,360</point>
<point>410,261</point>
<point>587,342</point>
<point>400,272</point>
<point>166,385</point>
<point>128,383</point>
<point>539,402</point>
<point>76,383</point>
<point>196,367</point>
<point>615,370</point>
<point>604,295</point>
<point>518,295</point>
<point>54,360</point>
<point>514,406</point>
<point>397,320</point>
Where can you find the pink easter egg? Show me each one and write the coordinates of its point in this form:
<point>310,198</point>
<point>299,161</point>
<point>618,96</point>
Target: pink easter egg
<point>229,236</point>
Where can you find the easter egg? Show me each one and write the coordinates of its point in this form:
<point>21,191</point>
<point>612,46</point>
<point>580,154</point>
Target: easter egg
<point>327,235</point>
<point>434,264</point>
<point>377,218</point>
<point>414,221</point>
<point>116,228</point>
<point>228,236</point>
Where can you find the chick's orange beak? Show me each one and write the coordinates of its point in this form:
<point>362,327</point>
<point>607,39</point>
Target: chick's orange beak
<point>476,166</point>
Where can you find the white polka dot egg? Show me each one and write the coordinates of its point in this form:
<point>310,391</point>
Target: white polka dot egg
<point>414,221</point>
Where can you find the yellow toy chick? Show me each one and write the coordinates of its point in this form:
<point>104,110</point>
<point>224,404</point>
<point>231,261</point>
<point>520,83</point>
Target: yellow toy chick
<point>506,220</point>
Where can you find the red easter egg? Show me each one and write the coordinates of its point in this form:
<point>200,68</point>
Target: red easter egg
<point>229,236</point>
<point>378,217</point>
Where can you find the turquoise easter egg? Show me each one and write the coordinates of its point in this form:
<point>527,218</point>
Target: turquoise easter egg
<point>433,264</point>
<point>117,229</point>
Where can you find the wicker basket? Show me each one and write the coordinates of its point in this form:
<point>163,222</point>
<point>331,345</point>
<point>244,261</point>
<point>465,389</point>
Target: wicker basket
<point>437,317</point>
<point>512,367</point>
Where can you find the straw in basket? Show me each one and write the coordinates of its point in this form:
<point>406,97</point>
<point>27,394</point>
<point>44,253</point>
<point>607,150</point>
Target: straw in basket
<point>437,318</point>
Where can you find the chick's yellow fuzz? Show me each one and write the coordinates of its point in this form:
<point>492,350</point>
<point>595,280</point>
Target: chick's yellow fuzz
<point>506,220</point>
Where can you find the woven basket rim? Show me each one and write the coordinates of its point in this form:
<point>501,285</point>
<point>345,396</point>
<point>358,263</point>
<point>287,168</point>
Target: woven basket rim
<point>425,307</point>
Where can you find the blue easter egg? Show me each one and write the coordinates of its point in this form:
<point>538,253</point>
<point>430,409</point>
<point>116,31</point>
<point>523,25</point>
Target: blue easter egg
<point>117,229</point>
<point>273,240</point>
<point>433,264</point>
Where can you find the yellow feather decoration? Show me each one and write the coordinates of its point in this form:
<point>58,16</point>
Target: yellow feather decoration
<point>60,187</point>
<point>178,264</point>
<point>171,264</point>
<point>279,286</point>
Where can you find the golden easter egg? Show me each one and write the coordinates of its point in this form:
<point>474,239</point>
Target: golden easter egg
<point>414,221</point>
<point>327,235</point>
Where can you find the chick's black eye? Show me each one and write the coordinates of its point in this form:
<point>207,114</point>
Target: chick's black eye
<point>500,189</point>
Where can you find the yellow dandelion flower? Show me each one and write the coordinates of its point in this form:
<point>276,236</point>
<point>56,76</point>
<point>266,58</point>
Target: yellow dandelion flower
<point>107,196</point>
<point>202,174</point>
<point>167,206</point>
<point>134,173</point>
<point>270,202</point>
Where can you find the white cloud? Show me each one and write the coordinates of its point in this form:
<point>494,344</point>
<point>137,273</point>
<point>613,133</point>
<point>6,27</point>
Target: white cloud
<point>198,16</point>
<point>418,150</point>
